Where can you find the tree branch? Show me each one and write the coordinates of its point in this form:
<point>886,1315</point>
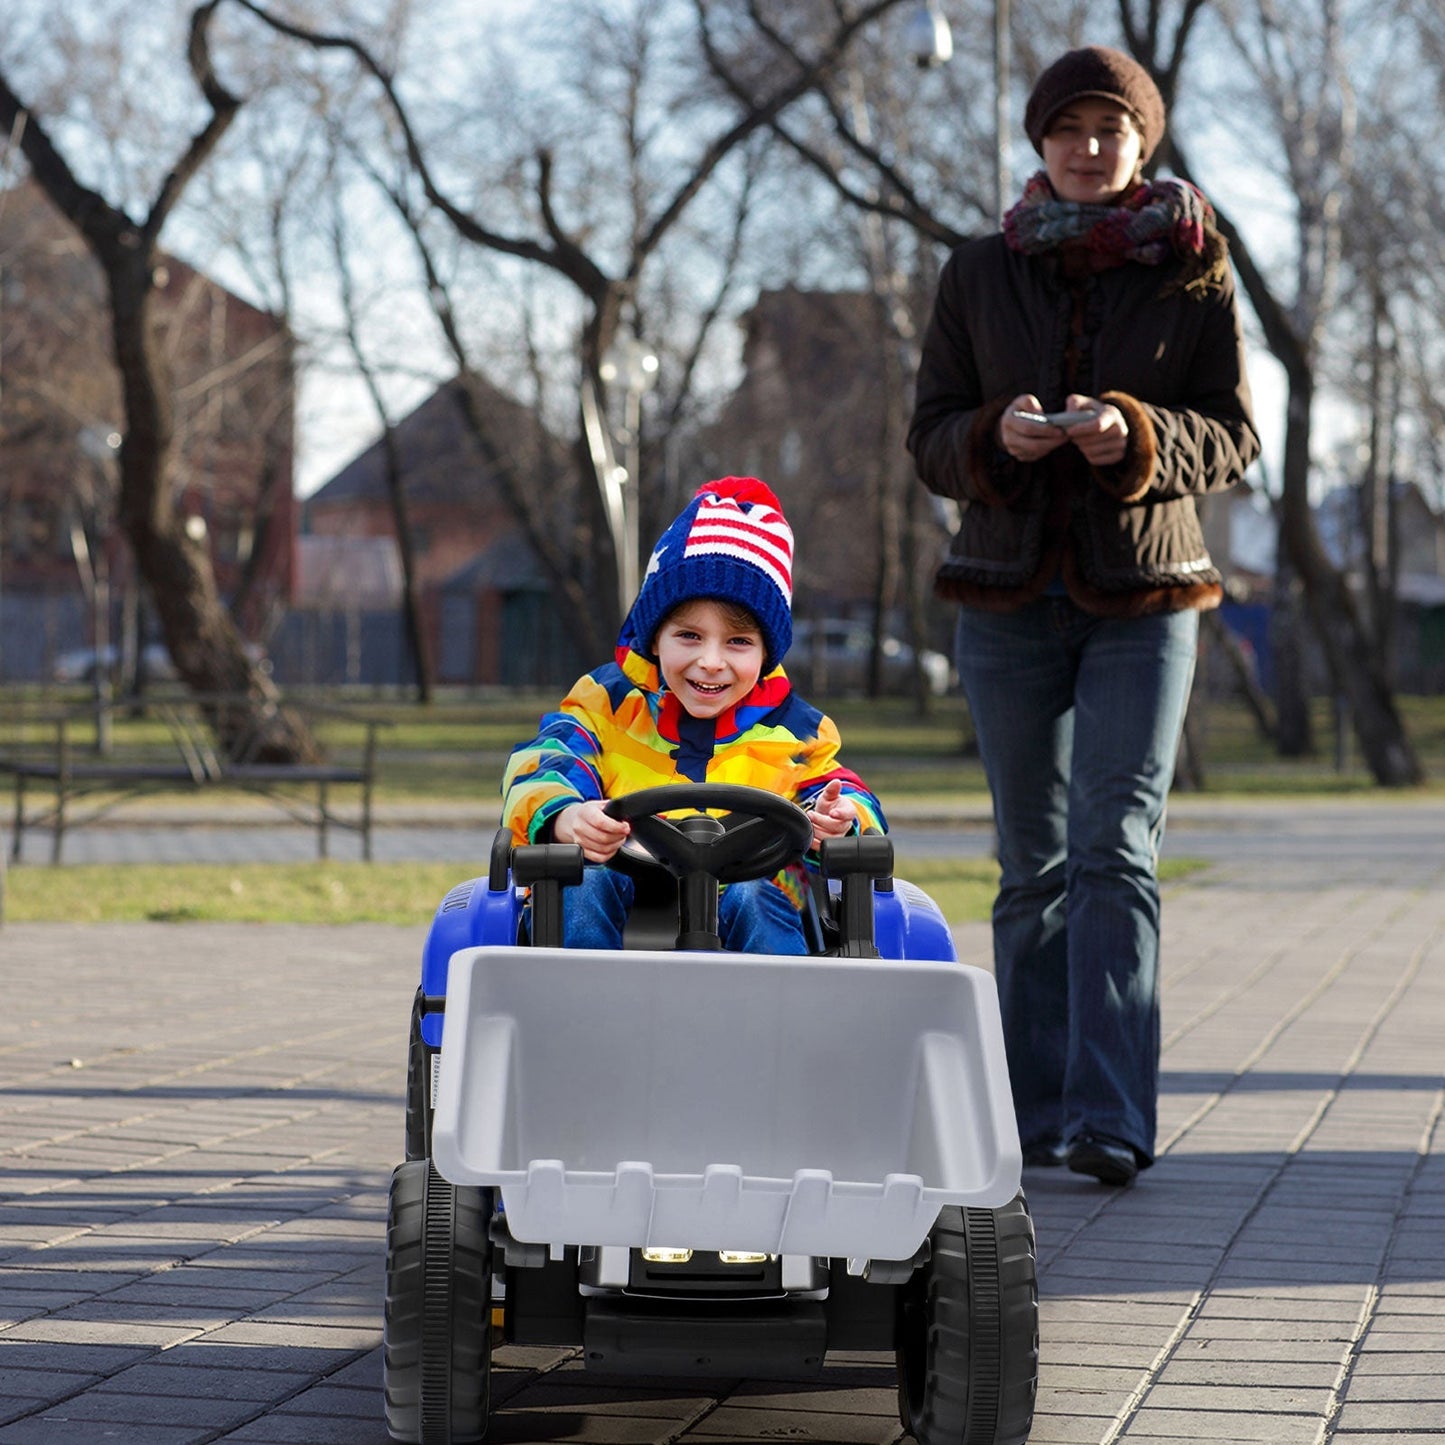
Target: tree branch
<point>1284,342</point>
<point>223,105</point>
<point>514,489</point>
<point>564,256</point>
<point>87,210</point>
<point>759,114</point>
<point>901,203</point>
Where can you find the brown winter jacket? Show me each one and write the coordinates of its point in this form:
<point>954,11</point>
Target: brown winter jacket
<point>1125,539</point>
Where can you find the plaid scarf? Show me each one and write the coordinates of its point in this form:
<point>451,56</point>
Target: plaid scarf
<point>1156,221</point>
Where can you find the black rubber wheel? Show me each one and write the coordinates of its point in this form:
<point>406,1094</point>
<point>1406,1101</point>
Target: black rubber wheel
<point>968,1331</point>
<point>418,1088</point>
<point>437,1337</point>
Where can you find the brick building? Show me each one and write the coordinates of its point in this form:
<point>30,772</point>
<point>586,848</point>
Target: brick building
<point>60,418</point>
<point>485,606</point>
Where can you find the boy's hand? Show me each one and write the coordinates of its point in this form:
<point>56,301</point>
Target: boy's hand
<point>588,825</point>
<point>833,815</point>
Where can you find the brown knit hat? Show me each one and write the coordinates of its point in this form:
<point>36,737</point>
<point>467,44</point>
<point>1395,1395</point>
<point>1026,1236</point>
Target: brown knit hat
<point>1097,70</point>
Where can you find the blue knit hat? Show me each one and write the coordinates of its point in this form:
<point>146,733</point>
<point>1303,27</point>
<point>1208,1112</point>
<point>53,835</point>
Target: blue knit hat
<point>731,542</point>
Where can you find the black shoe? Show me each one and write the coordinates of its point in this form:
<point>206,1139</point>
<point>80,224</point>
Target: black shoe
<point>1110,1161</point>
<point>1045,1154</point>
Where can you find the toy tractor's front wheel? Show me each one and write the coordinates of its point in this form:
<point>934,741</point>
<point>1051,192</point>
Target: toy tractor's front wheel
<point>418,1086</point>
<point>968,1337</point>
<point>437,1351</point>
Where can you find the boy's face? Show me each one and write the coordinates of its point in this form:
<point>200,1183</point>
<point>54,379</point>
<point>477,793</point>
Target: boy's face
<point>706,659</point>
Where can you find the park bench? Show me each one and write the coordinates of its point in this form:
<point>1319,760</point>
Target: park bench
<point>65,777</point>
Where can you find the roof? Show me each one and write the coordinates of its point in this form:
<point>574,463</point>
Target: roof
<point>508,565</point>
<point>363,572</point>
<point>441,457</point>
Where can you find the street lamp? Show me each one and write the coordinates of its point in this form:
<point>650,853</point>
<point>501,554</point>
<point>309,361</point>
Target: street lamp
<point>1001,181</point>
<point>927,36</point>
<point>928,39</point>
<point>90,545</point>
<point>631,363</point>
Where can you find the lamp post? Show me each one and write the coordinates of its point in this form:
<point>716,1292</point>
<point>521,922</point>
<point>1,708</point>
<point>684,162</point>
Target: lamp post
<point>1001,182</point>
<point>7,159</point>
<point>927,36</point>
<point>631,363</point>
<point>89,541</point>
<point>929,41</point>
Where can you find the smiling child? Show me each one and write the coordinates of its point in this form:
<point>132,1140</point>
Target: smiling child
<point>696,693</point>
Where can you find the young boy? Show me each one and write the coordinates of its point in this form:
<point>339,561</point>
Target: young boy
<point>696,694</point>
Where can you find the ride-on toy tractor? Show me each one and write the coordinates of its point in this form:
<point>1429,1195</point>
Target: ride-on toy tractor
<point>687,1161</point>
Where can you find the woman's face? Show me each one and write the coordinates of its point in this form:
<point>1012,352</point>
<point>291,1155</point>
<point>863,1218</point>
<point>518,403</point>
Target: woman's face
<point>1091,151</point>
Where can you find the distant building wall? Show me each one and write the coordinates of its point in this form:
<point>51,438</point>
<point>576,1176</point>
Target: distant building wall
<point>483,638</point>
<point>327,648</point>
<point>35,628</point>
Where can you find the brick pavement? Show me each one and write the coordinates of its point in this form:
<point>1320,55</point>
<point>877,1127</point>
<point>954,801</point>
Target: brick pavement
<point>197,1124</point>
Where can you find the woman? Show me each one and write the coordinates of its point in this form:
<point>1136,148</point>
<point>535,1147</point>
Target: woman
<point>1080,565</point>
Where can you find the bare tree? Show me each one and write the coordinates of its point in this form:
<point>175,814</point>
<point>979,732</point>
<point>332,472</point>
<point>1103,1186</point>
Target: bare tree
<point>610,292</point>
<point>392,465</point>
<point>1314,126</point>
<point>863,133</point>
<point>206,646</point>
<point>1299,66</point>
<point>1389,328</point>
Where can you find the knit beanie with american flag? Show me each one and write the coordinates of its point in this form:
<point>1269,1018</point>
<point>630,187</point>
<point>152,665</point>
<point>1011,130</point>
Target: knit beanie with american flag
<point>732,543</point>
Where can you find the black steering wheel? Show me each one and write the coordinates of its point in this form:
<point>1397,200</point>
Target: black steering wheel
<point>772,832</point>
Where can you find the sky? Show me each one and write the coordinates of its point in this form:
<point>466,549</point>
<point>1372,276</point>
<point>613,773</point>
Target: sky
<point>338,419</point>
<point>336,416</point>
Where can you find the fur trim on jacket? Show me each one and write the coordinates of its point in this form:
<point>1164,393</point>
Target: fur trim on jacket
<point>1125,540</point>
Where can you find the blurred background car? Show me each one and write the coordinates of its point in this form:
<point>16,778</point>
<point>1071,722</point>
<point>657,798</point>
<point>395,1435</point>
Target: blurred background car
<point>830,657</point>
<point>153,665</point>
<point>80,663</point>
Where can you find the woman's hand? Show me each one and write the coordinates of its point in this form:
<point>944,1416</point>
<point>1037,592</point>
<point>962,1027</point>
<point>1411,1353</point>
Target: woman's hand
<point>1027,441</point>
<point>833,815</point>
<point>1104,438</point>
<point>588,825</point>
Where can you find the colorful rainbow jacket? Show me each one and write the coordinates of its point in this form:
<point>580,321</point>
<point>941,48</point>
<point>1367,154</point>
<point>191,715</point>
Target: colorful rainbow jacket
<point>620,729</point>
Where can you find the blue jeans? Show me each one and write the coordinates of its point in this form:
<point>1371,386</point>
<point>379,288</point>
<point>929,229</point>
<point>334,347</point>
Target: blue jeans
<point>753,917</point>
<point>1078,721</point>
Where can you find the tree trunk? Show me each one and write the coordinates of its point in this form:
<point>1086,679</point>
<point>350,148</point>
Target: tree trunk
<point>175,567</point>
<point>418,650</point>
<point>1255,697</point>
<point>251,610</point>
<point>1377,491</point>
<point>204,644</point>
<point>1189,762</point>
<point>410,600</point>
<point>1294,736</point>
<point>1357,671</point>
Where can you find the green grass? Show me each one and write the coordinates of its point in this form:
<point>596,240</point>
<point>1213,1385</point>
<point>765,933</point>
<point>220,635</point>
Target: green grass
<point>334,893</point>
<point>459,748</point>
<point>455,751</point>
<point>456,748</point>
<point>230,893</point>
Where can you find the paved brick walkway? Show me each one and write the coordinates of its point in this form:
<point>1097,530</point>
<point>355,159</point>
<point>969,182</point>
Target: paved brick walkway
<point>197,1124</point>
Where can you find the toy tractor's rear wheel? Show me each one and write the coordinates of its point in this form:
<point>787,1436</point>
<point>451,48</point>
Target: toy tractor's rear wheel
<point>437,1351</point>
<point>968,1336</point>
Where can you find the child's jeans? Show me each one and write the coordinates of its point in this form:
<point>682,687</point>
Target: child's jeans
<point>753,917</point>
